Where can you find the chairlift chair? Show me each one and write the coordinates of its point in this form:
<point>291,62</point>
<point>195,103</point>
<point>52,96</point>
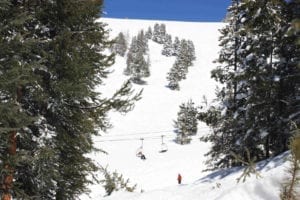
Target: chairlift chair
<point>164,147</point>
<point>140,150</point>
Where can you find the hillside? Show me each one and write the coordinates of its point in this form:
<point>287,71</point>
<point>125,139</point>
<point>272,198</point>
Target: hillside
<point>153,117</point>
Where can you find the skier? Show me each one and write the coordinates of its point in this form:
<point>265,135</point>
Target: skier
<point>179,178</point>
<point>141,155</point>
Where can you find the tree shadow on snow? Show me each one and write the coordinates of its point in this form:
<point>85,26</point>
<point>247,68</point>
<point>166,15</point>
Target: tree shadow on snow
<point>139,82</point>
<point>265,165</point>
<point>220,174</point>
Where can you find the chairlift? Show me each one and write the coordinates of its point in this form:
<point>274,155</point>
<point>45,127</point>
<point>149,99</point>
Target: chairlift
<point>164,147</point>
<point>140,150</point>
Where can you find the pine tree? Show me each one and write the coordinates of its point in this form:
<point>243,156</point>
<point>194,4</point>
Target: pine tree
<point>186,123</point>
<point>18,89</point>
<point>289,190</point>
<point>191,50</point>
<point>266,111</point>
<point>137,66</point>
<point>52,60</point>
<point>159,33</point>
<point>142,42</point>
<point>176,46</point>
<point>173,78</point>
<point>155,34</point>
<point>120,45</point>
<point>252,114</point>
<point>227,119</point>
<point>186,54</point>
<point>167,46</point>
<point>115,182</point>
<point>148,33</point>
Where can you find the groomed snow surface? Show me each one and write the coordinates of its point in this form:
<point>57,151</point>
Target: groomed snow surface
<point>152,117</point>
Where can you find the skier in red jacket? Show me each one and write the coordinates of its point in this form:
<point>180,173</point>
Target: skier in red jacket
<point>179,178</point>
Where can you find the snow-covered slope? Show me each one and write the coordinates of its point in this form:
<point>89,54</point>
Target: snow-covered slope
<point>153,116</point>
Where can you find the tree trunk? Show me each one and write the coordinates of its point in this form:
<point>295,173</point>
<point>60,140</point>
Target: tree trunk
<point>8,179</point>
<point>7,184</point>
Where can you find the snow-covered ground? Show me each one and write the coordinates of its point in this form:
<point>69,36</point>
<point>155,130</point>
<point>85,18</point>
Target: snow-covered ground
<point>153,117</point>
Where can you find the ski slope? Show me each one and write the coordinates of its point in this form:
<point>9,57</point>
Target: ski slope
<point>153,117</point>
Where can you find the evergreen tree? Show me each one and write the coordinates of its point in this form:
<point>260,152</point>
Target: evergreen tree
<point>191,50</point>
<point>266,112</point>
<point>162,32</point>
<point>183,61</point>
<point>222,118</point>
<point>115,182</point>
<point>19,147</point>
<point>120,45</point>
<point>52,60</point>
<point>146,69</point>
<point>137,66</point>
<point>174,78</point>
<point>176,46</point>
<point>142,42</point>
<point>167,46</point>
<point>253,112</point>
<point>159,33</point>
<point>186,123</point>
<point>186,54</point>
<point>148,33</point>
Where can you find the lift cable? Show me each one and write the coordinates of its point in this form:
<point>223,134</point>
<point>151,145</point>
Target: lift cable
<point>146,133</point>
<point>134,138</point>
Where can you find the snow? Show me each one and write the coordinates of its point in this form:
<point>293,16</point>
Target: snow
<point>153,117</point>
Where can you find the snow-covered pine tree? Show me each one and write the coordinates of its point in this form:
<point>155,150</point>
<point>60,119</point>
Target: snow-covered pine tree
<point>176,46</point>
<point>186,54</point>
<point>137,66</point>
<point>162,32</point>
<point>159,33</point>
<point>167,46</point>
<point>228,119</point>
<point>173,77</point>
<point>146,69</point>
<point>288,70</point>
<point>264,67</point>
<point>289,191</point>
<point>251,115</point>
<point>142,42</point>
<point>155,33</point>
<point>186,123</point>
<point>120,45</point>
<point>148,33</point>
<point>191,49</point>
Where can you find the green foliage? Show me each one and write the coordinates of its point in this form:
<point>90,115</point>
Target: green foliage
<point>120,45</point>
<point>167,46</point>
<point>258,72</point>
<point>186,123</point>
<point>137,66</point>
<point>159,33</point>
<point>115,182</point>
<point>52,58</point>
<point>290,189</point>
<point>185,55</point>
<point>249,166</point>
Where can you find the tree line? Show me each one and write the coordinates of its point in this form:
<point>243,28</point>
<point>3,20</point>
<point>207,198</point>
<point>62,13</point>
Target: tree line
<point>138,59</point>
